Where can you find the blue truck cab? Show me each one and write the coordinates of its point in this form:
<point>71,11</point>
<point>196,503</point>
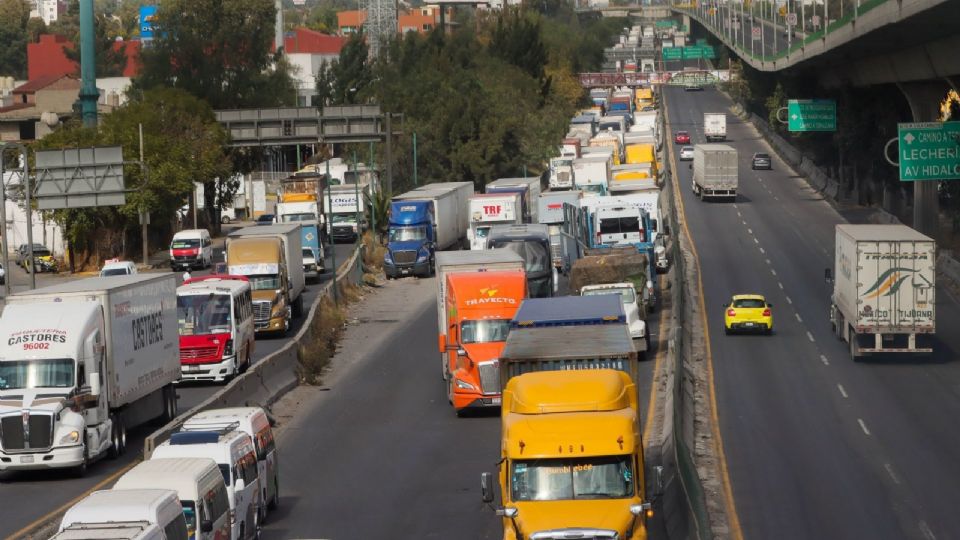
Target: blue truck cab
<point>411,239</point>
<point>310,239</point>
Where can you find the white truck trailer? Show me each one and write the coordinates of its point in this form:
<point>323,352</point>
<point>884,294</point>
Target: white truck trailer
<point>563,249</point>
<point>884,293</point>
<point>591,174</point>
<point>81,363</point>
<point>715,126</point>
<point>449,262</point>
<point>346,202</point>
<point>561,172</point>
<point>489,209</point>
<point>716,171</point>
<point>451,210</point>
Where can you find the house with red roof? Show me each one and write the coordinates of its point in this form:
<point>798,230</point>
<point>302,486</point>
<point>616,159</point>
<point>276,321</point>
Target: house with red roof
<point>307,50</point>
<point>47,57</point>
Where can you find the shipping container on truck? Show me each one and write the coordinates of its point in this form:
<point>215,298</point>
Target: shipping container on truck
<point>346,204</point>
<point>591,174</point>
<point>715,126</point>
<point>607,139</point>
<point>489,209</point>
<point>449,262</point>
<point>271,257</point>
<point>532,242</point>
<point>561,172</point>
<point>563,249</point>
<point>570,147</point>
<point>83,362</point>
<point>529,188</point>
<point>884,289</point>
<point>716,171</point>
<point>301,197</point>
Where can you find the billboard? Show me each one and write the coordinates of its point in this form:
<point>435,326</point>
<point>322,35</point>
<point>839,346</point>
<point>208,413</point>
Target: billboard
<point>148,19</point>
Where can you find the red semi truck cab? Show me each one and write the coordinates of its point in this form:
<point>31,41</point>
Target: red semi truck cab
<point>479,307</point>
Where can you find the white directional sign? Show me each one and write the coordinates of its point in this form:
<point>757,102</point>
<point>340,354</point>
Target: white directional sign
<point>816,21</point>
<point>756,32</point>
<point>792,19</point>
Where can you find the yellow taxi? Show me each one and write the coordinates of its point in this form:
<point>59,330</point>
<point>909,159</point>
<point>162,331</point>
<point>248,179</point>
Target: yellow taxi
<point>748,313</point>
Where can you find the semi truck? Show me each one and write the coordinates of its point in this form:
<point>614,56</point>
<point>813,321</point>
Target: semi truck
<point>529,189</point>
<point>561,170</point>
<point>716,171</point>
<point>479,308</point>
<point>884,289</point>
<point>81,363</point>
<point>489,209</point>
<point>346,203</point>
<point>563,249</point>
<point>301,198</point>
<point>715,126</point>
<point>313,264</point>
<point>596,490</point>
<point>532,242</point>
<point>271,257</point>
<point>450,262</point>
<point>591,174</point>
<point>422,222</point>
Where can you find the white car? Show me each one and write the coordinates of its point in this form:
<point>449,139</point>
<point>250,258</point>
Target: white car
<point>118,268</point>
<point>686,153</point>
<point>3,275</point>
<point>628,294</point>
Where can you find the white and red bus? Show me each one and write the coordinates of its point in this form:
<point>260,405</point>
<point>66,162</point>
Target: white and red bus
<point>215,320</point>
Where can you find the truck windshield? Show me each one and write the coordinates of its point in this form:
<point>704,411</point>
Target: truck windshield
<point>591,188</point>
<point>408,234</point>
<point>628,296</point>
<point>202,314</point>
<point>482,232</point>
<point>270,282</point>
<point>607,477</point>
<point>47,373</point>
<point>621,225</point>
<point>536,256</point>
<point>344,218</point>
<point>289,218</point>
<point>484,331</point>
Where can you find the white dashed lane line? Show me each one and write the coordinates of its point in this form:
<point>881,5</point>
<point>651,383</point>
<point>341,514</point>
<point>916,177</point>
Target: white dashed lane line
<point>780,285</point>
<point>810,336</point>
<point>789,301</point>
<point>824,360</point>
<point>863,426</point>
<point>893,475</point>
<point>925,529</point>
<point>762,251</point>
<point>797,315</point>
<point>843,392</point>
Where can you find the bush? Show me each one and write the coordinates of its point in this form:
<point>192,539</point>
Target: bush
<point>320,342</point>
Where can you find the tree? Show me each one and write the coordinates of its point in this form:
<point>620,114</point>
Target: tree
<point>110,59</point>
<point>774,103</point>
<point>218,51</point>
<point>14,15</point>
<point>347,78</point>
<point>323,18</point>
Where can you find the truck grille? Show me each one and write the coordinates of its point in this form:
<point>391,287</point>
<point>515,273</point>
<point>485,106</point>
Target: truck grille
<point>404,256</point>
<point>579,534</point>
<point>489,377</point>
<point>199,355</point>
<point>563,178</point>
<point>342,230</point>
<point>14,438</point>
<point>185,258</point>
<point>261,313</point>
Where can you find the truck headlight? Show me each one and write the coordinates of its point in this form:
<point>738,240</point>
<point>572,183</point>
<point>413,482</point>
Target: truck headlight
<point>387,258</point>
<point>70,438</point>
<point>464,385</point>
<point>423,254</point>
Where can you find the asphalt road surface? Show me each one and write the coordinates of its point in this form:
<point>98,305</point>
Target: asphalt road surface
<point>817,446</point>
<point>383,455</point>
<point>28,496</point>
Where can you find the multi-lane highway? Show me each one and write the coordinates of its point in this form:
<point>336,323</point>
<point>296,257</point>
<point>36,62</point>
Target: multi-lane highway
<point>817,446</point>
<point>382,454</point>
<point>28,497</point>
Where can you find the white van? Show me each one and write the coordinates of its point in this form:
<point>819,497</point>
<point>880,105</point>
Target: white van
<point>254,422</point>
<point>198,483</point>
<point>631,307</point>
<point>233,451</point>
<point>215,322</point>
<point>116,267</point>
<point>127,510</point>
<point>191,248</point>
<point>115,530</point>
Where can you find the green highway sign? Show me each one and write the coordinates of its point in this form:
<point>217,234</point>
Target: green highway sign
<point>701,41</point>
<point>672,53</point>
<point>929,151</point>
<point>708,52</point>
<point>811,115</point>
<point>669,23</point>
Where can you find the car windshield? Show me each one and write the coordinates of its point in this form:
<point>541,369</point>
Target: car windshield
<point>225,471</point>
<point>761,156</point>
<point>536,256</point>
<point>265,219</point>
<point>408,234</point>
<point>681,134</point>
<point>202,314</point>
<point>482,232</point>
<point>307,253</point>
<point>306,216</point>
<point>185,243</point>
<point>268,282</point>
<point>592,188</point>
<point>607,477</point>
<point>190,514</point>
<point>44,252</point>
<point>484,331</point>
<point>749,303</point>
<point>627,295</point>
<point>46,373</point>
<point>121,271</point>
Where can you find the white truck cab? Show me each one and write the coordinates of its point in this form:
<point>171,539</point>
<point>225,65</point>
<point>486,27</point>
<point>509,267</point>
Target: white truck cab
<point>631,306</point>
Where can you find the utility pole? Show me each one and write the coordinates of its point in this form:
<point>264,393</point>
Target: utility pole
<point>389,157</point>
<point>144,213</point>
<point>333,246</point>
<point>88,66</point>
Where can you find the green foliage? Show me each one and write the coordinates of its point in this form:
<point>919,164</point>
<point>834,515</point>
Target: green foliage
<point>343,81</point>
<point>738,86</point>
<point>110,61</point>
<point>14,15</point>
<point>323,18</point>
<point>773,104</point>
<point>218,51</point>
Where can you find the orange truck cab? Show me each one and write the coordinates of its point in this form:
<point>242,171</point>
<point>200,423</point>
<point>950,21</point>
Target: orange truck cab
<point>479,308</point>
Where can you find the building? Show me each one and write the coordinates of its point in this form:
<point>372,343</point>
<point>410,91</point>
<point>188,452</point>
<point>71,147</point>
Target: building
<point>48,10</point>
<point>350,21</point>
<point>47,57</point>
<point>421,19</point>
<point>307,50</point>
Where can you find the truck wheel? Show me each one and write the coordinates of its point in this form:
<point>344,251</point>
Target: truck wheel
<point>169,403</point>
<point>116,437</point>
<point>81,470</point>
<point>275,501</point>
<point>854,349</point>
<point>298,307</point>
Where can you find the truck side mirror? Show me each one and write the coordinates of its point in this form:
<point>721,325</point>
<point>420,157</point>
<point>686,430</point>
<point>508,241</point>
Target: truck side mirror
<point>206,526</point>
<point>486,487</point>
<point>94,379</point>
<point>691,166</point>
<point>828,275</point>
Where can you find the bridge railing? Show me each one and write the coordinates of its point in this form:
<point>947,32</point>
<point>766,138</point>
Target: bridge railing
<point>811,23</point>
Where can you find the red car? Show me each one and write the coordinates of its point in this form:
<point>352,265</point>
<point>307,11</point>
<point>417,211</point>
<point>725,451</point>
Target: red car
<point>682,137</point>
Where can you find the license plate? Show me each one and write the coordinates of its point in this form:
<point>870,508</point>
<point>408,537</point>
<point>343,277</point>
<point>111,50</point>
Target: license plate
<point>190,369</point>
<point>404,271</point>
<point>749,324</point>
<point>26,459</point>
<point>496,401</point>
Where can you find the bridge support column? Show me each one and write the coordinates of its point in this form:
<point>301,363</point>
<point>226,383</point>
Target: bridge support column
<point>924,99</point>
<point>686,22</point>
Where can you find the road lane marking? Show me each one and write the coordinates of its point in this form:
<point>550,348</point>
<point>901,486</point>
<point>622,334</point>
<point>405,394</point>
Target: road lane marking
<point>731,509</point>
<point>842,391</point>
<point>755,241</point>
<point>892,474</point>
<point>768,262</point>
<point>772,271</point>
<point>762,251</point>
<point>824,360</point>
<point>797,315</point>
<point>789,301</point>
<point>775,198</point>
<point>810,336</point>
<point>66,506</point>
<point>749,230</point>
<point>780,285</point>
<point>863,426</point>
<point>661,348</point>
<point>925,529</point>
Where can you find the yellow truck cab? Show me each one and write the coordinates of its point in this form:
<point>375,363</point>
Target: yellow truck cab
<point>571,457</point>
